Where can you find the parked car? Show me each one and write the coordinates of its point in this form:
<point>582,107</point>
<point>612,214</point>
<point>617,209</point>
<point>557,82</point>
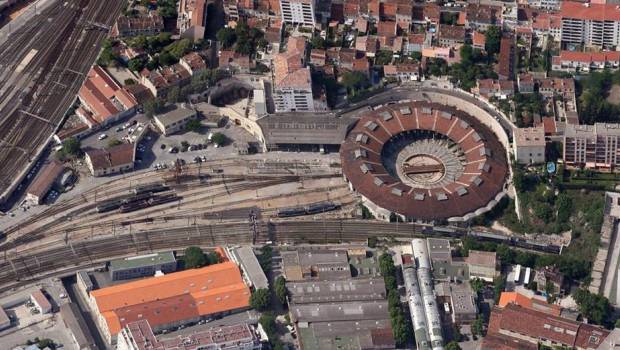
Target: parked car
<point>102,136</point>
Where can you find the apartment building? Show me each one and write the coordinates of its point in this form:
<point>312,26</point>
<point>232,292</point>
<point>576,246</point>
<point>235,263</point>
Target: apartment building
<point>592,146</point>
<point>529,145</point>
<point>149,24</point>
<point>192,17</point>
<point>572,61</point>
<point>292,80</point>
<point>298,12</point>
<point>588,24</point>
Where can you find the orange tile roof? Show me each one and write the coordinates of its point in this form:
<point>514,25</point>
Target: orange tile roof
<point>528,303</point>
<point>174,297</point>
<point>100,92</point>
<point>593,12</point>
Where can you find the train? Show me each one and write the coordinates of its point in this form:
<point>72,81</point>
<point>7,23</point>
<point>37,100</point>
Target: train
<point>518,242</point>
<point>308,210</point>
<point>145,203</point>
<point>152,188</point>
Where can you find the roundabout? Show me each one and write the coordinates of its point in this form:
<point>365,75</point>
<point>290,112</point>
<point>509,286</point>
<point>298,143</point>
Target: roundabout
<point>425,161</point>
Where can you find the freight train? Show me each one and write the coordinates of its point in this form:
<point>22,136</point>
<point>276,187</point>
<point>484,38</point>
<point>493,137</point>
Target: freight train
<point>308,210</point>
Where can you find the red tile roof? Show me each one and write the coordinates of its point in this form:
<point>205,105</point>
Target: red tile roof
<point>103,96</point>
<point>589,57</point>
<point>45,179</point>
<point>590,11</point>
<point>111,157</point>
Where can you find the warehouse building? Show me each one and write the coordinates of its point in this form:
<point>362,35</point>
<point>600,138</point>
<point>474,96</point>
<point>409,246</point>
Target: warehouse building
<point>142,266</point>
<point>171,300</point>
<point>44,181</point>
<point>174,119</point>
<point>253,273</point>
<point>41,302</point>
<point>483,265</point>
<point>114,160</point>
<point>315,264</point>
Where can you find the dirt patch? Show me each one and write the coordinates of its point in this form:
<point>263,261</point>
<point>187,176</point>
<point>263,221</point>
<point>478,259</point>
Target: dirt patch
<point>614,95</point>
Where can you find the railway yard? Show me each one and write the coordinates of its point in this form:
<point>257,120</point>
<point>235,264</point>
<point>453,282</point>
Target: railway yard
<point>42,66</point>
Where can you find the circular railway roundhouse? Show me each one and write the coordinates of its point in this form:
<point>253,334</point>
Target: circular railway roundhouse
<point>424,161</point>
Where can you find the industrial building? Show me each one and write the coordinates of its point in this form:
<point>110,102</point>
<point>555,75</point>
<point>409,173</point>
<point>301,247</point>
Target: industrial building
<point>315,264</point>
<point>483,265</point>
<point>41,302</point>
<point>139,336</point>
<point>142,266</point>
<point>463,303</point>
<point>170,300</point>
<point>174,119</point>
<point>416,307</point>
<point>425,284</point>
<point>44,181</point>
<point>253,273</point>
<point>114,160</point>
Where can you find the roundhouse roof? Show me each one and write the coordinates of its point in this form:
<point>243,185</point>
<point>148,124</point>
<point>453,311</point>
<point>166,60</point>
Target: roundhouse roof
<point>484,161</point>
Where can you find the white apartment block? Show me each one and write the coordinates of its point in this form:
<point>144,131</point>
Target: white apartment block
<point>529,145</point>
<point>298,12</point>
<point>290,99</point>
<point>594,25</point>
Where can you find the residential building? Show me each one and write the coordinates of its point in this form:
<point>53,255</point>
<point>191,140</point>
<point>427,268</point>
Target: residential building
<point>44,181</point>
<point>592,146</point>
<point>142,266</point>
<point>483,265</point>
<point>114,160</point>
<point>529,145</point>
<point>298,12</point>
<point>591,24</point>
<point>230,59</point>
<point>41,302</point>
<point>451,35</point>
<point>192,18</point>
<point>103,100</point>
<point>584,62</point>
<point>479,40</point>
<point>536,327</point>
<point>402,72</point>
<point>494,88</point>
<point>174,118</point>
<point>505,66</point>
<point>292,80</point>
<point>415,43</point>
<point>480,17</point>
<point>253,273</point>
<point>525,82</point>
<point>139,336</point>
<point>161,80</point>
<point>77,327</point>
<point>129,26</point>
<point>170,300</point>
<point>315,264</point>
<point>193,63</point>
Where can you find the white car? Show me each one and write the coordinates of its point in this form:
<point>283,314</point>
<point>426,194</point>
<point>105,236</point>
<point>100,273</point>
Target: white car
<point>102,136</point>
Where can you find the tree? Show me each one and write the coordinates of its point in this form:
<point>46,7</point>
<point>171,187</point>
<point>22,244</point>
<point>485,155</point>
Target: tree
<point>259,299</point>
<point>477,326</point>
<point>268,321</point>
<point>383,57</point>
<point>136,64</point>
<point>71,147</point>
<point>152,107</point>
<point>453,346</point>
<point>493,38</point>
<point>317,42</point>
<point>593,306</point>
<point>354,81</point>
<point>213,258</point>
<point>226,37</point>
<point>476,284</point>
<point>280,287</point>
<point>499,283</point>
<point>130,81</point>
<point>114,142</point>
<point>218,138</point>
<point>193,125</point>
<point>194,257</point>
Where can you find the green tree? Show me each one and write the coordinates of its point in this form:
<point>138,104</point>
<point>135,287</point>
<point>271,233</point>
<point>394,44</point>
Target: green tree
<point>453,346</point>
<point>493,38</point>
<point>193,125</point>
<point>280,288</point>
<point>499,284</point>
<point>383,57</point>
<point>178,48</point>
<point>194,257</point>
<point>218,138</point>
<point>477,326</point>
<point>593,306</point>
<point>71,147</point>
<point>226,37</point>
<point>354,81</point>
<point>130,81</point>
<point>152,107</point>
<point>476,284</point>
<point>136,64</point>
<point>318,42</point>
<point>213,258</point>
<point>259,299</point>
<point>268,321</point>
<point>173,95</point>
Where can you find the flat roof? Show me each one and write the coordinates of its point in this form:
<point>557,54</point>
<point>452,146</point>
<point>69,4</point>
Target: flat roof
<point>343,311</point>
<point>174,113</point>
<point>142,261</point>
<point>304,128</point>
<point>335,291</point>
<point>251,266</point>
<point>439,248</point>
<point>463,299</point>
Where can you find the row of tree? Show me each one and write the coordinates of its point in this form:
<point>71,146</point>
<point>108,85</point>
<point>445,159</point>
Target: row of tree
<point>401,325</point>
